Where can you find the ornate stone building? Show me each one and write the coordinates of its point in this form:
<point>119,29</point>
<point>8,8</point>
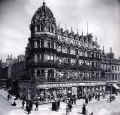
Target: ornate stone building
<point>60,59</point>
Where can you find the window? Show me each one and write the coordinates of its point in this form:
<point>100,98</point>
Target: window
<point>92,64</point>
<point>65,60</point>
<point>76,51</point>
<point>64,49</point>
<point>40,57</point>
<point>51,57</point>
<point>35,44</point>
<point>59,48</point>
<point>80,53</point>
<point>87,62</point>
<point>112,67</point>
<point>35,28</point>
<point>54,45</point>
<point>47,44</point>
<point>85,54</point>
<point>81,62</point>
<point>35,58</point>
<point>72,51</point>
<point>38,72</point>
<point>40,43</point>
<point>48,57</point>
<point>73,61</point>
<point>38,27</point>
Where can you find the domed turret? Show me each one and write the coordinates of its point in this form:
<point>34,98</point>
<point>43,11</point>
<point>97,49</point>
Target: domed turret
<point>43,20</point>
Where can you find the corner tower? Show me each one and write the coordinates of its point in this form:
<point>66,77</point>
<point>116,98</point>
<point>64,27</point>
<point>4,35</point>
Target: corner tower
<point>41,47</point>
<point>43,20</point>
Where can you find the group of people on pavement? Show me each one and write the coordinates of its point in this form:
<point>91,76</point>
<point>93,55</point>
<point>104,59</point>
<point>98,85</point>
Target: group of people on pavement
<point>56,105</point>
<point>9,97</point>
<point>26,104</point>
<point>29,105</point>
<point>69,107</point>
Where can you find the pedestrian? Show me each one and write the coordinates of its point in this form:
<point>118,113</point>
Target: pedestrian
<point>67,110</point>
<point>36,106</point>
<point>14,103</point>
<point>31,104</point>
<point>86,100</point>
<point>91,113</point>
<point>26,104</point>
<point>29,109</point>
<point>53,106</point>
<point>84,109</point>
<point>23,103</point>
<point>8,97</point>
<point>74,99</point>
<point>89,97</point>
<point>58,103</point>
<point>70,106</point>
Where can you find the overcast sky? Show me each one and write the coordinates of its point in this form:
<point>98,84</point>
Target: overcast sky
<point>103,17</point>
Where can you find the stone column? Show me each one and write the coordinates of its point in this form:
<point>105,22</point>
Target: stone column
<point>35,74</point>
<point>54,73</point>
<point>46,74</point>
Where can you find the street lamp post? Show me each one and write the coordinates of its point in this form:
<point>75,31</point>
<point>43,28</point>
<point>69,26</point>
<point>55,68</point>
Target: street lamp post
<point>110,91</point>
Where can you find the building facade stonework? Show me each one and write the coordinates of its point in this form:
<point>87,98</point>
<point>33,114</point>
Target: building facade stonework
<point>63,60</point>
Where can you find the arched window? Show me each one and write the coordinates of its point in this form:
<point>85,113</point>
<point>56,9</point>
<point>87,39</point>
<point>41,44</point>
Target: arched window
<point>38,28</point>
<point>35,28</point>
<point>52,29</point>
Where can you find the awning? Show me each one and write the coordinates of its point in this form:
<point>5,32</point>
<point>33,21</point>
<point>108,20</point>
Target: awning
<point>116,86</point>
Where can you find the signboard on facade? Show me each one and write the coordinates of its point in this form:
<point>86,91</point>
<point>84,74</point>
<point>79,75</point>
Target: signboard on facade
<point>69,84</point>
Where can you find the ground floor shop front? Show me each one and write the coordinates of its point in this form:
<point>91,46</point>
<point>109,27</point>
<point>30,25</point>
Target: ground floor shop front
<point>50,91</point>
<point>62,91</point>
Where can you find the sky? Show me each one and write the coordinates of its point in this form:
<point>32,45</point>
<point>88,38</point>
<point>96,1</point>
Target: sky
<point>102,16</point>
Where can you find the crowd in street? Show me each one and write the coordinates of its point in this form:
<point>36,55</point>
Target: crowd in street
<point>27,105</point>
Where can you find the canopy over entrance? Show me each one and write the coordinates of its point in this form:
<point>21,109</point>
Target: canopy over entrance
<point>116,86</point>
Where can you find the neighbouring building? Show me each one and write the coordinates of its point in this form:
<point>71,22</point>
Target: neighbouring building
<point>18,68</point>
<point>3,74</point>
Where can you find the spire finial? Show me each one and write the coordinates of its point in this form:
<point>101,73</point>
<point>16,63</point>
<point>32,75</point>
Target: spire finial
<point>103,49</point>
<point>77,30</point>
<point>87,28</point>
<point>110,49</point>
<point>71,29</point>
<point>96,38</point>
<point>65,27</point>
<point>43,2</point>
<point>82,30</point>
